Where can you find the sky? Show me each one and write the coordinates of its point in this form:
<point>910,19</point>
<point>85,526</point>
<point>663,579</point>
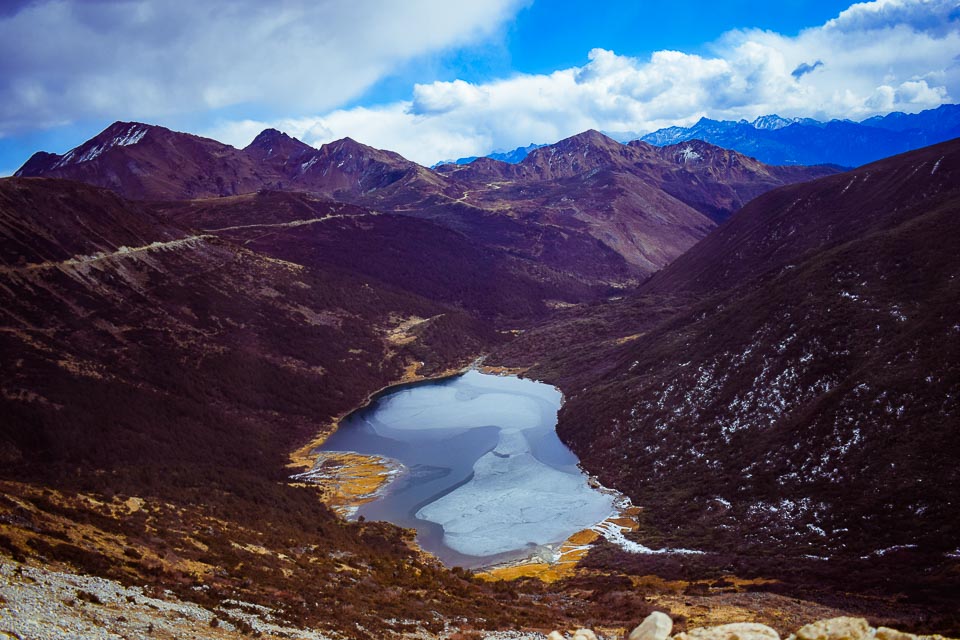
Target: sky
<point>434,79</point>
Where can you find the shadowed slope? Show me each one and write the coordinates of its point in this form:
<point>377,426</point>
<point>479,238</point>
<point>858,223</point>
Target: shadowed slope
<point>790,385</point>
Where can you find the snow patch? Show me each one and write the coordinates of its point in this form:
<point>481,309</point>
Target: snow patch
<point>613,533</point>
<point>687,154</point>
<point>133,135</point>
<point>882,552</point>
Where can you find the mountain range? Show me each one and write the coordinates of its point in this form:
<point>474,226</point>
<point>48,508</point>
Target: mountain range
<point>601,211</point>
<point>806,141</point>
<point>762,357</point>
<point>776,140</point>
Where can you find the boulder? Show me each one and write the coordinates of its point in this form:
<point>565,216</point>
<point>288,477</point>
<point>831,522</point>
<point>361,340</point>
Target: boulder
<point>836,629</point>
<point>735,631</point>
<point>886,633</point>
<point>584,634</point>
<point>555,635</point>
<point>656,626</point>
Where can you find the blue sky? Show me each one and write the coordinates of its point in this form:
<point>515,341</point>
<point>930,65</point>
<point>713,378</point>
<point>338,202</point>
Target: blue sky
<point>556,34</point>
<point>435,81</point>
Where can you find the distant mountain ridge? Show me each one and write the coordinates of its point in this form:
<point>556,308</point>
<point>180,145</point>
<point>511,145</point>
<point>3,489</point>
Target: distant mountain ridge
<point>148,162</point>
<point>511,157</point>
<point>805,141</point>
<point>587,206</point>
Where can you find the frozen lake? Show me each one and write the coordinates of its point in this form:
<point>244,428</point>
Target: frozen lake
<point>486,479</point>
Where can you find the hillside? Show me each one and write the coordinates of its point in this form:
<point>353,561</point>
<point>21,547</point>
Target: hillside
<point>775,395</point>
<point>471,271</point>
<point>154,387</point>
<point>648,204</point>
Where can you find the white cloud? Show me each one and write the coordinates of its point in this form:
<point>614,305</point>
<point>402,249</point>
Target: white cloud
<point>932,16</point>
<point>873,58</point>
<point>63,60</point>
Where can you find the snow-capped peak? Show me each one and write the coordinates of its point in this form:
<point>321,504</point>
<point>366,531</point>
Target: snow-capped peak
<point>772,122</point>
<point>92,150</point>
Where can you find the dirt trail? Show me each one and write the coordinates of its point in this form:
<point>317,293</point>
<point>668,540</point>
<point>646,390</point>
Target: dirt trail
<point>185,242</point>
<point>292,223</point>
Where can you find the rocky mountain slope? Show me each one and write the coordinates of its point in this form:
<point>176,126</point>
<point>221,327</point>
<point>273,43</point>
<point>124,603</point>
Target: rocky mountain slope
<point>805,141</point>
<point>141,162</point>
<point>644,204</point>
<point>648,204</point>
<point>789,387</point>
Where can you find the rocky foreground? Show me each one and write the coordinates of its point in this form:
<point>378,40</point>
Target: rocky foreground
<point>42,604</point>
<point>658,626</point>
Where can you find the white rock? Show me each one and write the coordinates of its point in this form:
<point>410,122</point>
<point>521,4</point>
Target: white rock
<point>735,631</point>
<point>886,633</point>
<point>555,635</point>
<point>584,634</point>
<point>843,628</point>
<point>656,626</point>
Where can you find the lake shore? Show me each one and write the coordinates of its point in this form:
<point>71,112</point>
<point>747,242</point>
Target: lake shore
<point>349,480</point>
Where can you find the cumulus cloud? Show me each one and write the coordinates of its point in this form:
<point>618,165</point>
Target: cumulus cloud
<point>873,58</point>
<point>931,16</point>
<point>64,60</point>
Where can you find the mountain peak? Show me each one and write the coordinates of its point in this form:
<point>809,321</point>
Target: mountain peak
<point>347,148</point>
<point>267,136</point>
<point>590,137</point>
<point>588,140</point>
<point>118,134</point>
<point>275,144</point>
<point>772,122</point>
<point>38,163</point>
<point>705,122</point>
<point>347,143</point>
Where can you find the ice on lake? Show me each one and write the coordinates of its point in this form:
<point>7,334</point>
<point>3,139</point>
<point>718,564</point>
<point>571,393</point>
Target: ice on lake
<point>514,501</point>
<point>507,486</point>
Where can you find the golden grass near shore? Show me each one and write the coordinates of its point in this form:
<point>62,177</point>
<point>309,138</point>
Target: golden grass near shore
<point>352,479</point>
<point>502,371</point>
<point>568,556</point>
<point>348,480</point>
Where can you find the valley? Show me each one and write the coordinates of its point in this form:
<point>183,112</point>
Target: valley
<point>762,359</point>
